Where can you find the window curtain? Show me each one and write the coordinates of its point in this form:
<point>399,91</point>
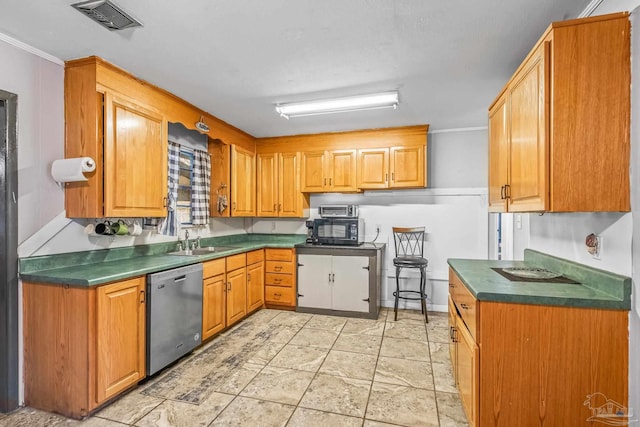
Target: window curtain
<point>200,187</point>
<point>169,226</point>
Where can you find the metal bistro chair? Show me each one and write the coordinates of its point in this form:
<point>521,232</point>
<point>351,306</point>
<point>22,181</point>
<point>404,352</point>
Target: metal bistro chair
<point>409,243</point>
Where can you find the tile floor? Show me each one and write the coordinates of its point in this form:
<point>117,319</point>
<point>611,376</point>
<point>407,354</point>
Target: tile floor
<point>280,368</point>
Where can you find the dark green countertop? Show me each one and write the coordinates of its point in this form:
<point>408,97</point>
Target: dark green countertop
<point>597,288</point>
<point>93,268</point>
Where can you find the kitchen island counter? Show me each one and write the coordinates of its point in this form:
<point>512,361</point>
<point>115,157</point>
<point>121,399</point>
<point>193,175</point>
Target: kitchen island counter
<point>596,288</point>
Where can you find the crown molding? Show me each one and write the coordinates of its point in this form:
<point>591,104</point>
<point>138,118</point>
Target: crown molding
<point>28,48</point>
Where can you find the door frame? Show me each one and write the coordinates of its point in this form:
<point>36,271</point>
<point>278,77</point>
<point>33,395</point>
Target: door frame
<point>9,308</point>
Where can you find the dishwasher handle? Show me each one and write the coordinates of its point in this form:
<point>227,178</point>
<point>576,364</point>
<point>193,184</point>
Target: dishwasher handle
<point>180,278</point>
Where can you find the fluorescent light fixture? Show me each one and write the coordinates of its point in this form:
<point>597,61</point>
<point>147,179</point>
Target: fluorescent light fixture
<point>339,105</point>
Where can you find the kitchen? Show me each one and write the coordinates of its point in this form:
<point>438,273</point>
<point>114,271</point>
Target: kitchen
<point>453,208</point>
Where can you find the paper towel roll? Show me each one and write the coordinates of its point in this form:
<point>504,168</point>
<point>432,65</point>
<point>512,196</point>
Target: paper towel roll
<point>71,170</point>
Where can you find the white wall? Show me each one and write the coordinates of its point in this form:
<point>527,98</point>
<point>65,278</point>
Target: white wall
<point>39,84</point>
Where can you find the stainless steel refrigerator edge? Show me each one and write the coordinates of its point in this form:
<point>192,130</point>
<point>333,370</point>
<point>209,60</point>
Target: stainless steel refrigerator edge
<point>174,315</point>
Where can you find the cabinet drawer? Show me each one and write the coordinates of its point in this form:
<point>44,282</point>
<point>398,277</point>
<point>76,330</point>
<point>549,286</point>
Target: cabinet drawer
<point>213,268</point>
<point>279,254</point>
<point>255,256</point>
<point>467,305</point>
<point>236,261</point>
<point>279,279</point>
<point>279,295</point>
<point>281,267</point>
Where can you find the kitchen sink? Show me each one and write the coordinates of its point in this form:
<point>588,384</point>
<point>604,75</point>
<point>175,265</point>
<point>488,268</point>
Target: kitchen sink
<point>202,251</point>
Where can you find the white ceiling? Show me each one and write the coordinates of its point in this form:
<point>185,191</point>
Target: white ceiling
<point>237,58</point>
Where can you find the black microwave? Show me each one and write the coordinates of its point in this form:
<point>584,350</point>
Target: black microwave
<point>338,231</point>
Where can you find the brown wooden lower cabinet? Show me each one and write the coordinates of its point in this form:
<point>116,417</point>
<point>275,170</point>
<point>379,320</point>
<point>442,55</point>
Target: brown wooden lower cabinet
<point>236,288</point>
<point>82,345</point>
<point>535,365</point>
<point>280,278</point>
<point>255,280</point>
<point>214,298</point>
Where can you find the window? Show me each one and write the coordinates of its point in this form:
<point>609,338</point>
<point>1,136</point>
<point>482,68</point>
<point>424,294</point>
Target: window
<point>185,187</point>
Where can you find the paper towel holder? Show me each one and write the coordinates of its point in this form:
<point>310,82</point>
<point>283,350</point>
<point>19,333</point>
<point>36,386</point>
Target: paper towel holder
<point>72,169</point>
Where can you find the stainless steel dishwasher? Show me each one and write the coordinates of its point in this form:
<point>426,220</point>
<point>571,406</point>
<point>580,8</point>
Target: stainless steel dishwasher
<point>174,315</point>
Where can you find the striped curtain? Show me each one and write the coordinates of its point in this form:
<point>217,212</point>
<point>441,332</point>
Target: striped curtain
<point>169,226</point>
<point>200,188</point>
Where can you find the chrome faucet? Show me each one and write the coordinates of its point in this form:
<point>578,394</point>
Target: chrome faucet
<point>197,244</point>
<point>186,240</point>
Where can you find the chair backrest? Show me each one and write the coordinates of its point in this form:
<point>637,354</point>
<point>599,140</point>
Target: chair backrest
<point>409,242</point>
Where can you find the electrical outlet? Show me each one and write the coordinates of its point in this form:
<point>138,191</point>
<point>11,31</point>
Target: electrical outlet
<point>273,226</point>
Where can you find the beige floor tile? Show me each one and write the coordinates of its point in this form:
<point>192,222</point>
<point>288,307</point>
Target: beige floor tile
<point>237,379</point>
<point>301,358</point>
<point>244,411</point>
<point>172,413</point>
<point>367,344</point>
<point>364,327</point>
<point>91,422</point>
<point>346,396</point>
<point>438,334</point>
<point>402,405</point>
<point>382,315</point>
<point>329,323</point>
<point>29,417</point>
<point>267,352</point>
<point>283,334</point>
<point>406,330</point>
<point>350,365</point>
<point>406,315</point>
<point>130,408</point>
<point>439,352</point>
<point>443,377</point>
<point>279,385</point>
<point>371,423</point>
<point>411,373</point>
<point>314,338</point>
<point>303,417</point>
<point>291,318</point>
<point>405,349</point>
<point>450,410</point>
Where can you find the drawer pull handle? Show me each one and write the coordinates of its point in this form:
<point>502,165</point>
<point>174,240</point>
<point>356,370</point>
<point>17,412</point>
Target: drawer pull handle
<point>278,280</point>
<point>465,306</point>
<point>141,297</point>
<point>249,277</point>
<point>277,268</point>
<point>451,285</point>
<point>277,294</point>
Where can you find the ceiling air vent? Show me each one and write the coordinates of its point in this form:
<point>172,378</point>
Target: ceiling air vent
<point>107,14</point>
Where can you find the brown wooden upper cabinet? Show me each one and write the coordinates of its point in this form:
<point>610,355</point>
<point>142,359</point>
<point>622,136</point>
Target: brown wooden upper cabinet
<point>559,130</point>
<point>329,171</point>
<point>243,182</point>
<point>394,167</point>
<point>126,137</point>
<point>278,186</point>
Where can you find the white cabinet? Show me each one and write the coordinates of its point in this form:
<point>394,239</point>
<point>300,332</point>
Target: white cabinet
<point>333,282</point>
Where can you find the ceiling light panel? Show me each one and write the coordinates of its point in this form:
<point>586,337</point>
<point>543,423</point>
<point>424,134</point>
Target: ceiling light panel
<point>339,105</point>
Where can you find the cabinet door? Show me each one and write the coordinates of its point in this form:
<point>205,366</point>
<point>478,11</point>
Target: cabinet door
<point>255,286</point>
<point>267,173</point>
<point>342,168</point>
<point>373,168</point>
<point>312,172</point>
<point>135,149</point>
<point>314,280</point>
<point>528,173</point>
<point>452,342</point>
<point>236,295</point>
<point>467,371</point>
<point>407,167</point>
<point>289,195</point>
<point>498,155</point>
<point>350,283</point>
<point>120,333</point>
<point>213,305</point>
<point>243,178</point>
